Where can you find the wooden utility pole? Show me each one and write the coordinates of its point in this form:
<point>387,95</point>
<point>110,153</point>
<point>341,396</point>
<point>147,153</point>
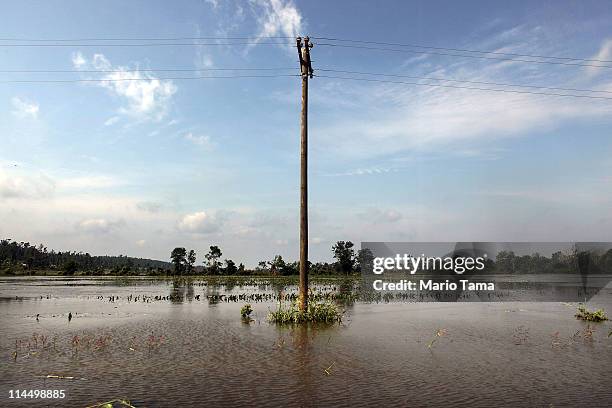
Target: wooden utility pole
<point>306,71</point>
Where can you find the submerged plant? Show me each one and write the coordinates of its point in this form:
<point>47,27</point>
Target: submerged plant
<point>326,312</point>
<point>584,314</point>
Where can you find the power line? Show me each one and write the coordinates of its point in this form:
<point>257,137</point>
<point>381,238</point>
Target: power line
<point>148,44</point>
<point>255,40</point>
<point>461,55</point>
<point>228,38</point>
<point>110,71</point>
<point>462,50</point>
<point>145,79</point>
<point>141,38</point>
<point>292,68</point>
<point>465,87</point>
<point>464,81</point>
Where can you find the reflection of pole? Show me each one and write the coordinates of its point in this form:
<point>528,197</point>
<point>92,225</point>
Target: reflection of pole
<point>302,346</point>
<point>306,71</point>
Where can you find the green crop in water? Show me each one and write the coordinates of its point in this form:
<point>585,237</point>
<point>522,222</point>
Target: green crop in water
<point>326,312</point>
<point>584,314</point>
<point>246,311</point>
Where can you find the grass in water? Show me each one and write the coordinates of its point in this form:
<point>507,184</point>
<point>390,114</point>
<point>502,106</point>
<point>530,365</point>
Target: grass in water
<point>584,314</point>
<point>325,312</point>
<point>113,404</point>
<point>245,312</point>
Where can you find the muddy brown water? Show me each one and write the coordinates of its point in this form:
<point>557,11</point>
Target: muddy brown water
<point>188,352</point>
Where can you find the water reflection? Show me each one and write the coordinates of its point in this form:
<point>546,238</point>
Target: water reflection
<point>177,293</point>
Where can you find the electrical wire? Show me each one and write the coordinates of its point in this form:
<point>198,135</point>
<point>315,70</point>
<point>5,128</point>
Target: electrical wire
<point>465,87</point>
<point>110,71</point>
<point>140,38</point>
<point>462,50</point>
<point>363,47</point>
<point>464,81</point>
<point>150,44</point>
<point>293,68</point>
<point>144,79</point>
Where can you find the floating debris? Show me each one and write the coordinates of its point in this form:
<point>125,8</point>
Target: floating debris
<point>60,377</point>
<point>111,404</point>
<point>439,333</point>
<point>328,369</point>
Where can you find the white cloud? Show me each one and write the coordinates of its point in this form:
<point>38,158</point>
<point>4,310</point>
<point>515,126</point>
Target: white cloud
<point>199,222</point>
<point>146,96</point>
<point>98,225</point>
<point>78,60</point>
<point>141,243</point>
<point>14,185</point>
<point>27,184</point>
<point>604,54</point>
<point>213,3</point>
<point>111,121</point>
<point>24,109</point>
<point>367,171</point>
<point>416,118</point>
<point>376,215</point>
<point>203,59</point>
<point>201,140</point>
<point>88,182</point>
<point>149,206</point>
<point>277,18</point>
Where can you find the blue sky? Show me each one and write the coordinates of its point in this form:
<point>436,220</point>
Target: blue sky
<point>140,167</point>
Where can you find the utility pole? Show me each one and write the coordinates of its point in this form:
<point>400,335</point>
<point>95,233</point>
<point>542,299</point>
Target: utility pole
<point>306,71</point>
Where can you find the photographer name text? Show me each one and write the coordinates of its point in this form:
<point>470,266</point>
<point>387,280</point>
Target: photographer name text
<point>431,285</point>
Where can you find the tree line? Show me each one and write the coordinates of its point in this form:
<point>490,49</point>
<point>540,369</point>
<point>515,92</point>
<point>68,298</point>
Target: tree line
<point>347,261</point>
<point>22,258</point>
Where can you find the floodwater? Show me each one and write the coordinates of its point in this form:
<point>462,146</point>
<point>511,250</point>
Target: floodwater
<point>184,350</point>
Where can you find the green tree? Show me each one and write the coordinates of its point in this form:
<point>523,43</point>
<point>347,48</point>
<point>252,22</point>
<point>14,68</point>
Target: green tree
<point>345,256</point>
<point>277,265</point>
<point>70,267</point>
<point>191,260</point>
<point>179,259</point>
<point>364,260</point>
<point>212,260</point>
<point>230,267</point>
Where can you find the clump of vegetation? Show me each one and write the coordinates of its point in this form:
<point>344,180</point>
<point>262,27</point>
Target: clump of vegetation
<point>113,403</point>
<point>324,312</point>
<point>439,333</point>
<point>584,314</point>
<point>246,311</point>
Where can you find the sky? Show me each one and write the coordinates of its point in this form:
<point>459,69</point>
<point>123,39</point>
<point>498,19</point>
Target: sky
<point>141,167</point>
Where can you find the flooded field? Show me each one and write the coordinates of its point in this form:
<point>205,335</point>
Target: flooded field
<point>159,343</point>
